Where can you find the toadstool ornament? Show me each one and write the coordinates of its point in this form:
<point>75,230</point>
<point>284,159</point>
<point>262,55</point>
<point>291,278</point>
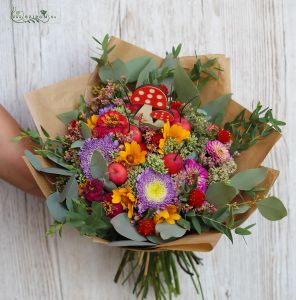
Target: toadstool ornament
<point>162,115</point>
<point>150,97</point>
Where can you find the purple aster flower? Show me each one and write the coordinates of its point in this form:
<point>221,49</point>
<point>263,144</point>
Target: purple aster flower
<point>218,152</point>
<point>195,171</point>
<point>105,145</point>
<point>106,109</point>
<point>155,190</point>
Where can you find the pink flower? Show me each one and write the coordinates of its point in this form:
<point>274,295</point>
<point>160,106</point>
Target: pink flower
<point>218,152</point>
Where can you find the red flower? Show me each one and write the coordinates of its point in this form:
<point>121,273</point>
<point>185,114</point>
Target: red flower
<point>110,122</point>
<point>156,138</point>
<point>133,107</point>
<point>110,208</point>
<point>224,136</point>
<point>176,105</point>
<point>163,88</point>
<point>196,198</point>
<point>146,227</point>
<point>93,190</point>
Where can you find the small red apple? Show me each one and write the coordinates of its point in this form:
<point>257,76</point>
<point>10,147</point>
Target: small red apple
<point>184,123</point>
<point>135,134</point>
<point>173,162</point>
<point>177,117</point>
<point>117,173</point>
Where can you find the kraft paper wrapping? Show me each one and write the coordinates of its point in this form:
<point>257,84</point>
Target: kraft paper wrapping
<point>46,103</point>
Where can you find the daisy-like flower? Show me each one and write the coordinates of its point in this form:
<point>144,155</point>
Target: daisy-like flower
<point>155,190</point>
<point>218,152</point>
<point>179,133</point>
<point>132,154</point>
<point>169,214</point>
<point>126,198</point>
<point>196,172</point>
<point>92,121</point>
<point>105,145</point>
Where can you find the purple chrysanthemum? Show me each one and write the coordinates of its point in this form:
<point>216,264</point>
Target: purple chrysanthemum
<point>106,109</point>
<point>155,190</point>
<point>195,171</point>
<point>105,145</point>
<point>218,152</point>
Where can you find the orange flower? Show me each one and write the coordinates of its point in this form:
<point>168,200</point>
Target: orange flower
<point>92,121</point>
<point>126,198</point>
<point>132,155</point>
<point>169,215</point>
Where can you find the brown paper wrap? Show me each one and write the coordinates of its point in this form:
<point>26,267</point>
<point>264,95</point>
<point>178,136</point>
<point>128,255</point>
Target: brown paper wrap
<point>46,103</point>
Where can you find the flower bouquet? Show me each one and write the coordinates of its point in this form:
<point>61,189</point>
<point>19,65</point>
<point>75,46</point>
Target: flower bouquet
<point>153,156</point>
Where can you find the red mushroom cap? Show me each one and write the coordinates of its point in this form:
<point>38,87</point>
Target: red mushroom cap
<point>162,115</point>
<point>149,95</point>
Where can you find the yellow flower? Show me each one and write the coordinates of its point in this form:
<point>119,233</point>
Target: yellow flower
<point>132,155</point>
<point>92,121</point>
<point>175,131</point>
<point>169,215</point>
<point>126,198</point>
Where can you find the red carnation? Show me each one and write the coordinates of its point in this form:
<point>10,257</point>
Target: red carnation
<point>176,105</point>
<point>196,198</point>
<point>163,88</point>
<point>224,136</point>
<point>146,227</point>
<point>93,190</point>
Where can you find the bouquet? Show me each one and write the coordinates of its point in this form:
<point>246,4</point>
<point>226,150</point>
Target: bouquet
<point>152,155</point>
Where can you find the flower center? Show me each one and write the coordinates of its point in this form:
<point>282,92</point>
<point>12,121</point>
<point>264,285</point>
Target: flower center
<point>130,158</point>
<point>156,191</point>
<point>111,120</point>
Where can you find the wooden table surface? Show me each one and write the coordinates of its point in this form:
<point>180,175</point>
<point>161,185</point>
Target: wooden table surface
<point>260,38</point>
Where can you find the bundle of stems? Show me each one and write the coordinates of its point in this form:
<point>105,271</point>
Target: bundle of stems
<point>159,271</point>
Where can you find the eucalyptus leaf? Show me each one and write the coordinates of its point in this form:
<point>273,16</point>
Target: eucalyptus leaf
<point>35,162</point>
<point>155,239</point>
<point>77,144</point>
<point>241,209</point>
<point>135,66</point>
<point>109,185</point>
<point>123,226</point>
<point>144,75</point>
<point>196,224</point>
<point>70,192</point>
<point>58,160</point>
<point>114,71</point>
<point>216,108</point>
<point>168,231</point>
<point>242,231</point>
<point>248,179</point>
<point>272,208</point>
<point>85,130</point>
<point>220,194</point>
<point>68,116</point>
<point>98,165</point>
<point>185,88</point>
<point>56,209</point>
<point>56,171</point>
<point>131,244</point>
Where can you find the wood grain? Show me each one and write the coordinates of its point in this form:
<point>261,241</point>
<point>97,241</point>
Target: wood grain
<point>259,37</point>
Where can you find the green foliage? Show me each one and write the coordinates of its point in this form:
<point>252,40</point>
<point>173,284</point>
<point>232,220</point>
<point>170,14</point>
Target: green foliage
<point>186,90</point>
<point>98,166</point>
<point>70,192</point>
<point>115,71</point>
<point>90,224</point>
<point>104,50</point>
<point>168,231</point>
<point>55,227</point>
<point>244,231</point>
<point>144,74</point>
<point>31,134</point>
<point>123,226</point>
<point>247,131</point>
<point>220,194</point>
<point>129,243</point>
<point>196,224</point>
<point>184,223</point>
<point>77,144</point>
<point>216,109</point>
<point>135,66</point>
<point>248,179</point>
<point>272,208</point>
<point>68,116</point>
<point>85,130</point>
<point>56,209</point>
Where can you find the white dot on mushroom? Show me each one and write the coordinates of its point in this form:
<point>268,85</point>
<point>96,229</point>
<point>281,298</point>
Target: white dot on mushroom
<point>137,99</point>
<point>149,96</point>
<point>147,101</point>
<point>141,93</point>
<point>159,97</point>
<point>159,103</point>
<point>151,91</point>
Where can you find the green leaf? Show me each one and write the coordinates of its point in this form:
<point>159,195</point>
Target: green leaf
<point>155,239</point>
<point>114,71</point>
<point>57,171</point>
<point>185,88</point>
<point>123,226</point>
<point>196,224</point>
<point>58,160</point>
<point>46,134</point>
<point>272,208</point>
<point>130,244</point>
<point>241,209</point>
<point>216,108</point>
<point>98,165</point>
<point>56,209</point>
<point>85,130</point>
<point>220,194</point>
<point>77,144</point>
<point>70,192</point>
<point>53,228</point>
<point>33,160</point>
<point>242,231</point>
<point>144,75</point>
<point>68,116</point>
<point>168,231</point>
<point>135,66</point>
<point>248,179</point>
<point>109,185</point>
<point>184,223</point>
